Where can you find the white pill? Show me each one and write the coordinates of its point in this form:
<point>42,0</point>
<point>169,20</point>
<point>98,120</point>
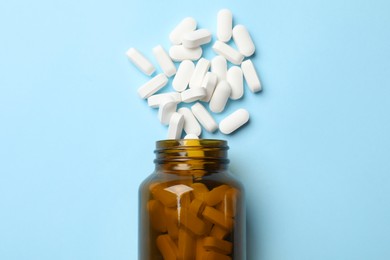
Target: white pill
<point>183,75</point>
<point>152,86</point>
<point>204,117</point>
<point>234,121</point>
<point>196,38</point>
<point>186,25</point>
<point>250,75</point>
<point>201,68</point>
<point>219,67</point>
<point>191,125</point>
<point>236,82</point>
<point>166,110</point>
<point>209,83</point>
<point>220,97</point>
<point>155,101</point>
<point>192,94</point>
<point>164,61</point>
<point>243,40</point>
<point>224,25</point>
<point>228,52</point>
<point>175,126</point>
<point>142,63</point>
<point>180,53</point>
<point>191,136</point>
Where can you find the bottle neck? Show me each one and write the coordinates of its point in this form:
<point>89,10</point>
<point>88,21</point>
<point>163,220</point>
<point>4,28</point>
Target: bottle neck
<point>191,157</point>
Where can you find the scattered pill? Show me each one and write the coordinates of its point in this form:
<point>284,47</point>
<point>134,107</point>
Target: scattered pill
<point>228,52</point>
<point>155,101</point>
<point>152,86</point>
<point>191,125</point>
<point>183,75</point>
<point>164,61</point>
<point>166,110</point>
<point>196,38</point>
<point>191,136</point>
<point>250,75</point>
<point>192,94</point>
<point>175,126</point>
<point>140,61</point>
<point>224,25</point>
<point>201,68</point>
<point>204,117</point>
<point>234,121</point>
<point>180,53</point>
<point>220,97</point>
<point>188,24</point>
<point>236,82</point>
<point>219,67</point>
<point>243,40</point>
<point>209,83</point>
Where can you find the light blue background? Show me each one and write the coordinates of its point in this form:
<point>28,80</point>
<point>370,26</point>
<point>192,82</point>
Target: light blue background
<point>76,141</point>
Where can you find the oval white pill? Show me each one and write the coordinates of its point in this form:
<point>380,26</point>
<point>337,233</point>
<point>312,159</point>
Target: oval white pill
<point>180,53</point>
<point>152,86</point>
<point>209,83</point>
<point>192,94</point>
<point>219,67</point>
<point>164,61</point>
<point>191,136</point>
<point>155,101</point>
<point>175,126</point>
<point>183,75</point>
<point>204,117</point>
<point>234,121</point>
<point>236,82</point>
<point>186,25</point>
<point>220,97</point>
<point>250,75</point>
<point>196,38</point>
<point>228,52</point>
<point>191,125</point>
<point>243,40</point>
<point>201,68</point>
<point>142,63</point>
<point>166,110</point>
<point>224,25</point>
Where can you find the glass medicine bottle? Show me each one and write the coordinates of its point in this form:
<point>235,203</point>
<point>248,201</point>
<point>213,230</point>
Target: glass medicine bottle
<point>191,207</point>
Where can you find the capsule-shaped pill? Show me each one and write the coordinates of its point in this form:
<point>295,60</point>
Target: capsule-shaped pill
<point>197,207</point>
<point>191,125</point>
<point>224,25</point>
<point>142,63</point>
<point>200,251</point>
<point>152,86</point>
<point>236,82</point>
<point>196,38</point>
<point>218,218</point>
<point>229,204</point>
<point>166,110</point>
<point>243,40</point>
<point>188,24</point>
<point>228,52</point>
<point>201,68</point>
<point>164,61</point>
<point>204,117</point>
<point>186,245</point>
<point>175,126</point>
<point>199,191</point>
<point>250,75</point>
<point>220,97</point>
<point>209,83</point>
<point>156,100</point>
<point>172,222</point>
<point>183,75</point>
<point>218,232</point>
<point>192,94</point>
<point>192,222</point>
<point>167,198</point>
<point>216,195</point>
<point>234,121</point>
<point>156,210</point>
<point>167,247</point>
<point>219,67</point>
<point>218,245</point>
<point>180,53</point>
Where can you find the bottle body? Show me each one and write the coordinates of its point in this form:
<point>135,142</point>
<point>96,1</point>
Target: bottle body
<point>191,207</point>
